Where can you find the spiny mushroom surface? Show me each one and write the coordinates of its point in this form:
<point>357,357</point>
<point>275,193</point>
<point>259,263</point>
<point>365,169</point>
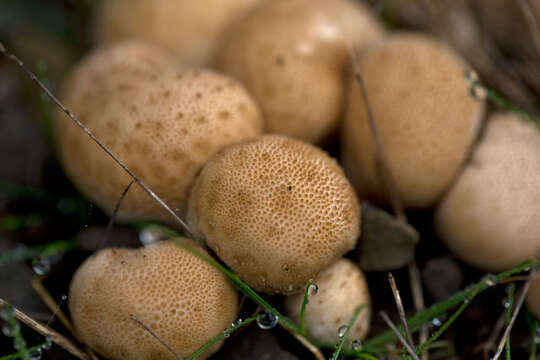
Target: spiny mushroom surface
<point>177,295</point>
<point>490,216</point>
<point>342,288</point>
<point>189,28</point>
<point>426,119</point>
<point>163,123</point>
<point>292,56</point>
<point>276,210</point>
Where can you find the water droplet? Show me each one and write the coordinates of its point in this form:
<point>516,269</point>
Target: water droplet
<point>436,322</point>
<point>41,266</point>
<point>536,339</point>
<point>226,333</point>
<point>506,303</point>
<point>48,342</point>
<point>342,330</point>
<point>35,355</point>
<point>267,321</point>
<point>64,297</point>
<point>236,322</point>
<point>313,289</point>
<point>6,330</point>
<point>478,92</point>
<point>150,235</point>
<point>471,75</point>
<point>491,280</point>
<point>356,344</point>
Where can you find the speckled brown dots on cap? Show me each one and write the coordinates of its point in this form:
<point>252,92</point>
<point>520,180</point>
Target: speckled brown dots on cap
<point>276,210</point>
<point>426,118</point>
<point>292,56</point>
<point>490,217</point>
<point>189,28</point>
<point>180,297</point>
<point>342,288</point>
<point>163,126</point>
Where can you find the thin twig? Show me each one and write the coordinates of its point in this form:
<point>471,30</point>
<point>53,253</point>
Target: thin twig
<point>532,22</point>
<point>114,214</point>
<point>418,299</point>
<point>490,343</point>
<point>57,338</point>
<point>398,334</point>
<point>37,285</point>
<point>139,182</point>
<point>156,336</point>
<point>380,154</point>
<point>521,298</point>
<point>401,310</point>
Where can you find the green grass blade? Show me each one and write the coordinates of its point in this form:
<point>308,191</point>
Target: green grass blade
<point>19,356</point>
<point>301,324</point>
<point>222,336</point>
<point>509,306</point>
<point>533,329</point>
<point>19,342</point>
<point>42,251</point>
<point>343,336</point>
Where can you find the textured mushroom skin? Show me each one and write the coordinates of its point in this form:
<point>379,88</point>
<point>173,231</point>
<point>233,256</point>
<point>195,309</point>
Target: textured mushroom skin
<point>342,288</point>
<point>489,218</point>
<point>425,116</point>
<point>292,55</point>
<point>177,295</point>
<point>189,28</point>
<point>163,123</point>
<point>276,210</point>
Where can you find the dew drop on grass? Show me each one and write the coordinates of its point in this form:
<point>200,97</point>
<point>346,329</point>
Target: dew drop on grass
<point>491,280</point>
<point>436,322</point>
<point>6,330</point>
<point>313,289</point>
<point>35,355</point>
<point>64,297</point>
<point>356,344</point>
<point>48,342</point>
<point>342,330</point>
<point>41,266</point>
<point>226,333</point>
<point>236,322</point>
<point>150,235</point>
<point>506,303</point>
<point>267,321</point>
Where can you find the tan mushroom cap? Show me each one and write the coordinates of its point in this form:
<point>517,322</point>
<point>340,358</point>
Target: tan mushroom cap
<point>490,217</point>
<point>342,288</point>
<point>425,116</point>
<point>292,56</point>
<point>533,296</point>
<point>163,126</point>
<point>276,210</point>
<point>181,298</point>
<point>189,28</point>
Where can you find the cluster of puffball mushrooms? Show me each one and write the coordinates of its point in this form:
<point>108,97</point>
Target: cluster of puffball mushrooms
<point>219,107</point>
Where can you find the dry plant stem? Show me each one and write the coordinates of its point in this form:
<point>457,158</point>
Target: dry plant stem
<point>380,155</point>
<point>519,304</point>
<point>401,311</point>
<point>37,285</point>
<point>418,299</point>
<point>490,343</point>
<point>139,182</point>
<point>113,215</point>
<point>532,22</point>
<point>156,336</point>
<point>317,354</point>
<point>398,334</point>
<point>57,338</point>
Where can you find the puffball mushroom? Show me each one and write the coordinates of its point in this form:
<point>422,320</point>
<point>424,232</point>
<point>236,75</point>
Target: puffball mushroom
<point>426,119</point>
<point>292,56</point>
<point>489,218</point>
<point>163,123</point>
<point>342,288</point>
<point>189,28</point>
<point>177,295</point>
<point>276,210</point>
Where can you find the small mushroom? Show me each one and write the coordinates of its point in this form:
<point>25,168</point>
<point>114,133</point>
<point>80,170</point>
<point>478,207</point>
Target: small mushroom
<point>426,119</point>
<point>341,289</point>
<point>489,218</point>
<point>292,56</point>
<point>189,28</point>
<point>276,210</point>
<point>163,123</point>
<point>177,295</point>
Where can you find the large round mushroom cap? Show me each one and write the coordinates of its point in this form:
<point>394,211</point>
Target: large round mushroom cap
<point>164,125</point>
<point>342,288</point>
<point>177,295</point>
<point>276,210</point>
<point>425,116</point>
<point>191,29</point>
<point>490,217</point>
<point>292,56</point>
